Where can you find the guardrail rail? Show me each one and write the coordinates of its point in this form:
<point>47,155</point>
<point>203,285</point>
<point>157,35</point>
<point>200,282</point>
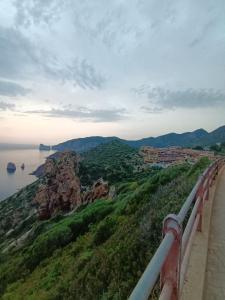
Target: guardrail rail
<point>170,261</point>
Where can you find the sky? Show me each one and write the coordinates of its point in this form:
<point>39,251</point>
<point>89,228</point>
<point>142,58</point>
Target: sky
<point>133,69</point>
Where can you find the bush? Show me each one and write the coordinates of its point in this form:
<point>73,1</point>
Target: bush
<point>198,168</point>
<point>104,230</point>
<point>45,245</point>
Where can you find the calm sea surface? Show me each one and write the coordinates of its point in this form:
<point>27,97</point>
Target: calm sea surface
<point>12,182</point>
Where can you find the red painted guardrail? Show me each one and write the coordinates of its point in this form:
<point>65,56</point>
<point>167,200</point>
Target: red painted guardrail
<point>171,258</point>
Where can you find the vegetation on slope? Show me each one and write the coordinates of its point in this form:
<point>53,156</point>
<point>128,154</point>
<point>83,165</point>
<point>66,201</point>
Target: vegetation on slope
<point>114,161</point>
<point>100,251</point>
<point>17,214</point>
<point>219,149</point>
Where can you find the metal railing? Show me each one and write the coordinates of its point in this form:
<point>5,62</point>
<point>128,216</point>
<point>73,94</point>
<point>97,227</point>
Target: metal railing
<point>170,261</point>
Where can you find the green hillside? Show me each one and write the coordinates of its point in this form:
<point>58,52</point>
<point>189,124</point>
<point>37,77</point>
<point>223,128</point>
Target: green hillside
<point>100,251</point>
<point>114,162</point>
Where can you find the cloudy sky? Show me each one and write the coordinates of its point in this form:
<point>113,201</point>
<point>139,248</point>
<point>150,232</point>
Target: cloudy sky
<point>137,68</point>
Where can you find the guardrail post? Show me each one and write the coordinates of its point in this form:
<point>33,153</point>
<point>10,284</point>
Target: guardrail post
<point>170,272</point>
<point>216,172</point>
<point>207,189</point>
<point>212,178</point>
<point>214,175</point>
<point>200,194</point>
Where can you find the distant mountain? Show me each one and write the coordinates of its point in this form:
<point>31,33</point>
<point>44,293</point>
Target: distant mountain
<point>199,137</point>
<point>174,139</point>
<point>83,144</point>
<point>218,135</point>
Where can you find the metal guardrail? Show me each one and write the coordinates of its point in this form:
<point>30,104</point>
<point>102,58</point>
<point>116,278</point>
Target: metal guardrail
<point>170,261</point>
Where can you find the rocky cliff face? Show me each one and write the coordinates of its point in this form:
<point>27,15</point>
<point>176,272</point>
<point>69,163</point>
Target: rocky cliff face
<point>61,189</point>
<point>100,189</point>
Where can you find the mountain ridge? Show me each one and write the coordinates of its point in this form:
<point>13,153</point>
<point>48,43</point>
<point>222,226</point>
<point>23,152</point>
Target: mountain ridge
<point>198,137</point>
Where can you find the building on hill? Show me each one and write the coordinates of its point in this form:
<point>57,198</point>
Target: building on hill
<point>173,155</point>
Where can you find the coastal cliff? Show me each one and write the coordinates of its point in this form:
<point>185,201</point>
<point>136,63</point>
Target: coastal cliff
<point>60,187</point>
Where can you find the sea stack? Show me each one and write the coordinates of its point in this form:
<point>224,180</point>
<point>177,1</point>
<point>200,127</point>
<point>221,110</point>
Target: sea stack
<point>43,147</point>
<point>11,167</point>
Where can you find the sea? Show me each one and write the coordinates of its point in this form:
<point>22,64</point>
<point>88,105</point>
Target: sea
<point>10,183</point>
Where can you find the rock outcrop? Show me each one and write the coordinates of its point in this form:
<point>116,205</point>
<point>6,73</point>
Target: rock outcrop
<point>43,147</point>
<point>100,189</point>
<point>61,188</point>
<point>11,167</point>
<point>40,171</point>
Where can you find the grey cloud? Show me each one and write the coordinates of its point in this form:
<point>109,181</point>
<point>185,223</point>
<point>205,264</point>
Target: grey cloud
<point>109,23</point>
<point>79,72</point>
<point>159,11</point>
<point>151,109</point>
<point>161,99</point>
<point>6,106</point>
<point>16,54</point>
<point>105,26</point>
<point>85,114</point>
<point>155,35</point>
<point>30,12</point>
<point>8,88</point>
<point>20,59</point>
<point>202,33</point>
<point>116,25</point>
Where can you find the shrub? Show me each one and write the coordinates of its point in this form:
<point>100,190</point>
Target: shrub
<point>104,230</point>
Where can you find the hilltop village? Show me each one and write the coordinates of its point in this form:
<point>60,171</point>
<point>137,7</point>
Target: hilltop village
<point>164,157</point>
